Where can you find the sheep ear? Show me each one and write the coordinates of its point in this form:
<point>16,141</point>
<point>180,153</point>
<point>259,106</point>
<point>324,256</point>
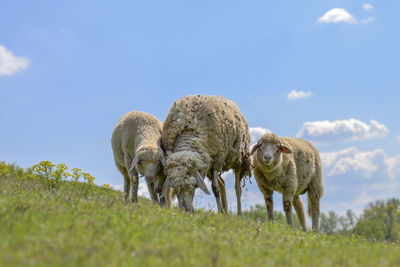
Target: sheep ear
<point>134,162</point>
<point>255,147</point>
<point>285,149</point>
<point>165,188</point>
<point>201,184</point>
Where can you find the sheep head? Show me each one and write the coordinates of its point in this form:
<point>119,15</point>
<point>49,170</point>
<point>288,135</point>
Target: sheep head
<point>149,161</point>
<point>184,177</point>
<point>269,149</point>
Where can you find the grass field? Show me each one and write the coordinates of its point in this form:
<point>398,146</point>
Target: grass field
<point>79,224</point>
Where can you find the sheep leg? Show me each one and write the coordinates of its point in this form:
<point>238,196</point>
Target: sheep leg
<point>127,181</point>
<point>134,185</point>
<point>315,192</point>
<point>269,203</point>
<point>299,207</point>
<point>222,187</point>
<point>169,198</point>
<point>127,187</point>
<point>216,190</point>
<point>238,189</point>
<point>287,198</point>
<point>315,213</point>
<point>153,194</point>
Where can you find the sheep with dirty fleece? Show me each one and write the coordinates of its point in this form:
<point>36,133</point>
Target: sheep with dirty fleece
<point>136,144</point>
<point>291,166</point>
<point>204,136</point>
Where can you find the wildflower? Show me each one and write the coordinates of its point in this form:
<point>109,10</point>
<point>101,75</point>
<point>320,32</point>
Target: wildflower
<point>43,168</point>
<point>60,173</point>
<point>62,167</point>
<point>88,177</point>
<point>76,175</point>
<point>45,164</point>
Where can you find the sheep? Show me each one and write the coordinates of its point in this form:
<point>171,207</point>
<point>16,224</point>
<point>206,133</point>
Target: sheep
<point>136,145</point>
<point>203,136</point>
<point>291,166</point>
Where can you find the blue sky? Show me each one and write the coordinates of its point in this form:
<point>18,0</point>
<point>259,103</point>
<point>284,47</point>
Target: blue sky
<point>69,70</point>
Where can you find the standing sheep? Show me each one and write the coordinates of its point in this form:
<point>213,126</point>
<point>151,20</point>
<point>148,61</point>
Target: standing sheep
<point>137,149</point>
<point>291,166</point>
<point>203,136</point>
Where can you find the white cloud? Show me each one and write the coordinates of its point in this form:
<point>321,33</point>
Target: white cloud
<point>394,167</point>
<point>398,138</point>
<point>10,64</point>
<point>368,20</point>
<point>350,160</point>
<point>298,94</point>
<point>364,163</point>
<point>337,15</point>
<point>354,178</point>
<point>341,130</point>
<point>368,7</point>
<point>256,133</point>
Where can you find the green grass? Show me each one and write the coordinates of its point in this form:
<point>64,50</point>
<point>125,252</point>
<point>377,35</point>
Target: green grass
<point>85,225</point>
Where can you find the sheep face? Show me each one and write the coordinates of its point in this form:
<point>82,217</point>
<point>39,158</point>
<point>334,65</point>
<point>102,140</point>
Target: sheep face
<point>148,168</point>
<point>185,187</point>
<point>269,150</point>
<point>185,193</point>
<point>183,177</point>
<point>149,162</point>
<point>184,184</point>
<point>269,153</point>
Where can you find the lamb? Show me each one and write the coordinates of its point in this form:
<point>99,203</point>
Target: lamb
<point>136,144</point>
<point>291,166</point>
<point>204,136</point>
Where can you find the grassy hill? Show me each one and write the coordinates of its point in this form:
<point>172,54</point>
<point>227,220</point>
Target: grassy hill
<point>79,224</point>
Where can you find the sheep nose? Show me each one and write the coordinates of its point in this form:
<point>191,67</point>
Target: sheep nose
<point>267,158</point>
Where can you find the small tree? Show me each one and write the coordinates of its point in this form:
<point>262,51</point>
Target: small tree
<point>381,220</point>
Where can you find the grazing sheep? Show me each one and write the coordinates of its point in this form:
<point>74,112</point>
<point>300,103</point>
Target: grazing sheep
<point>291,166</point>
<point>203,136</point>
<point>137,149</point>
